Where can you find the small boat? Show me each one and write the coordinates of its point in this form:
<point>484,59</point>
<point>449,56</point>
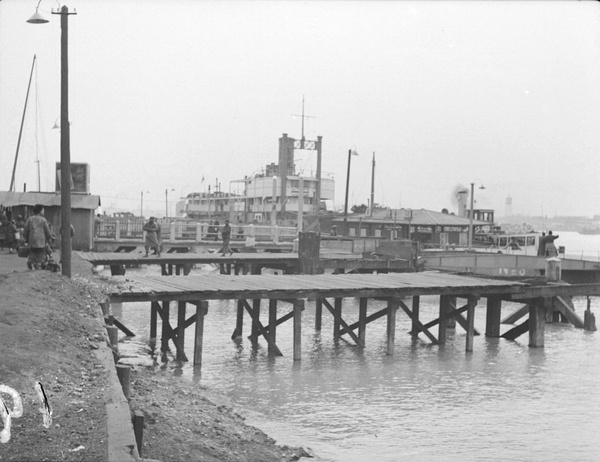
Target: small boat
<point>590,230</point>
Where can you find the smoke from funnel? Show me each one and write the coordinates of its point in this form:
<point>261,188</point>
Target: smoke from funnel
<point>460,196</point>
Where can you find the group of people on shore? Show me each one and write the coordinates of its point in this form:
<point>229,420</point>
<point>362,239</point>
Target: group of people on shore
<point>35,235</point>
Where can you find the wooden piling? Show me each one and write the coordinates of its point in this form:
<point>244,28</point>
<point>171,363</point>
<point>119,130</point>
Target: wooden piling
<point>450,305</point>
<point>589,320</point>
<point>393,305</point>
<point>272,323</point>
<point>113,336</point>
<point>493,316</point>
<point>318,314</point>
<point>153,319</point>
<point>337,315</point>
<point>471,303</point>
<point>138,429</point>
<point>309,245</point>
<point>443,324</point>
<point>166,333</point>
<point>362,319</point>
<point>298,308</point>
<point>537,322</point>
<point>255,330</point>
<point>239,321</point>
<point>180,331</point>
<point>416,302</point>
<point>201,311</point>
<point>124,374</point>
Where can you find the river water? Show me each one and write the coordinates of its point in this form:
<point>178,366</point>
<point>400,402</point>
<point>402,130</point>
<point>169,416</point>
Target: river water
<point>504,401</point>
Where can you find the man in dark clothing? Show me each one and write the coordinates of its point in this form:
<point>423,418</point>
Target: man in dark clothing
<point>226,233</point>
<point>550,247</point>
<point>542,245</point>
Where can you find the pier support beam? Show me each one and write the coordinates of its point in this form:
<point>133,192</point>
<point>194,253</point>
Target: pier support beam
<point>493,317</point>
<point>362,319</point>
<point>166,331</point>
<point>416,303</point>
<point>298,308</point>
<point>201,311</point>
<point>272,324</point>
<point>318,314</point>
<point>180,342</point>
<point>537,322</point>
<point>443,319</point>
<point>239,321</point>
<point>393,305</point>
<point>471,304</point>
<point>337,317</point>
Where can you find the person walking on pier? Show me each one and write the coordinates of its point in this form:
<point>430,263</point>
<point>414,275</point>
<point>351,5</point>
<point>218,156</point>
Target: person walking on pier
<point>37,234</point>
<point>226,233</point>
<point>153,237</point>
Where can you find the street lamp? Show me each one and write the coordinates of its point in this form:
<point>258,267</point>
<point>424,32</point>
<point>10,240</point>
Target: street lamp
<point>351,152</point>
<point>471,215</point>
<point>142,203</point>
<point>167,202</point>
<point>65,144</point>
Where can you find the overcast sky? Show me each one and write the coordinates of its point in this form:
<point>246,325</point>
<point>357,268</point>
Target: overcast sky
<point>163,93</point>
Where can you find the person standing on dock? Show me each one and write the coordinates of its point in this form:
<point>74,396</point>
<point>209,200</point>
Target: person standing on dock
<point>542,245</point>
<point>226,233</point>
<point>153,236</point>
<point>550,247</point>
<point>37,234</point>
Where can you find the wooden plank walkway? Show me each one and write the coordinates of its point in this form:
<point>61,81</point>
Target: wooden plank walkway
<point>250,290</point>
<point>239,262</point>
<point>224,287</point>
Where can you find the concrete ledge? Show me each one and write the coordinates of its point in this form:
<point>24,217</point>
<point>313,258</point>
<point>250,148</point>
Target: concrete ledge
<point>121,439</point>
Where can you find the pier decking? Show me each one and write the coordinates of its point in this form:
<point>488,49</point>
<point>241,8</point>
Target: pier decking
<point>239,263</point>
<point>329,291</point>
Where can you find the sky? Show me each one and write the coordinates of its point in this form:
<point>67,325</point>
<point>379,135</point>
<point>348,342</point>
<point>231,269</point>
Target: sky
<point>445,93</point>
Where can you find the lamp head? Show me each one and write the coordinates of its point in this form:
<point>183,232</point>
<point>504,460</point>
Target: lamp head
<point>37,18</point>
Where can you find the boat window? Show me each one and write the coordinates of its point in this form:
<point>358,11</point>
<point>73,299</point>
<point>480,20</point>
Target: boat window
<point>503,242</point>
<point>520,240</point>
<point>530,240</point>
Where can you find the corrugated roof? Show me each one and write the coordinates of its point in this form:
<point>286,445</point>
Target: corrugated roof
<point>48,199</point>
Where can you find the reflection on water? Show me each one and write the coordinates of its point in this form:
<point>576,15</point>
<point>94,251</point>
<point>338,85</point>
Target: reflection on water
<point>503,401</point>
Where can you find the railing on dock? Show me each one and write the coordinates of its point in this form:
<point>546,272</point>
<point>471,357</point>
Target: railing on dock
<point>178,229</point>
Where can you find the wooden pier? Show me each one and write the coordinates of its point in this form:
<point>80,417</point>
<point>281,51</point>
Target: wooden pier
<point>242,263</point>
<point>288,293</point>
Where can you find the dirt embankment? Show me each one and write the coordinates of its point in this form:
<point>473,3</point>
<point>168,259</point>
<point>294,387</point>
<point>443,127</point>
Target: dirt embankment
<point>48,331</point>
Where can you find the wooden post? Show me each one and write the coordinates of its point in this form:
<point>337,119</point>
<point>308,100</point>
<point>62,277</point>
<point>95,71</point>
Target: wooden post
<point>318,314</point>
<point>164,341</point>
<point>450,305</point>
<point>239,322</point>
<point>138,429</point>
<point>124,374</point>
<point>255,330</point>
<point>471,304</point>
<point>443,320</point>
<point>153,319</point>
<point>391,325</point>
<point>589,320</point>
<point>493,316</point>
<point>113,336</point>
<point>416,300</point>
<point>201,311</point>
<point>298,307</point>
<point>337,308</point>
<point>537,322</point>
<point>272,322</point>
<point>309,245</point>
<point>180,331</point>
<point>362,319</point>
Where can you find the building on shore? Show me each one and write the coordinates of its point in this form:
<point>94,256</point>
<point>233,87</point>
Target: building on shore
<point>425,226</point>
<point>277,195</point>
<point>83,207</point>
